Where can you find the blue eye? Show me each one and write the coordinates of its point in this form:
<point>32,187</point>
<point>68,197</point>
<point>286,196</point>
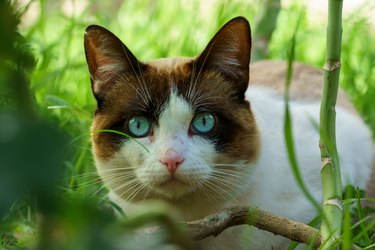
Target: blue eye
<point>203,123</point>
<point>139,126</point>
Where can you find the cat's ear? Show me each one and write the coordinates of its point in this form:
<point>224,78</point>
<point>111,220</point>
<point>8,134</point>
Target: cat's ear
<point>107,58</point>
<point>229,53</point>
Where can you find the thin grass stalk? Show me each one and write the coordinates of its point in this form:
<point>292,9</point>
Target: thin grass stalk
<point>330,172</point>
<point>288,132</point>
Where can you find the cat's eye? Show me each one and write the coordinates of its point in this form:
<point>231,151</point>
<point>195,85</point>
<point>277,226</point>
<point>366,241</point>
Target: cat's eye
<point>203,123</point>
<point>139,126</point>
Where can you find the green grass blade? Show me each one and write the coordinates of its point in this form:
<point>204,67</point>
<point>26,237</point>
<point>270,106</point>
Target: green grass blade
<point>123,134</point>
<point>347,232</point>
<point>361,216</point>
<point>288,127</point>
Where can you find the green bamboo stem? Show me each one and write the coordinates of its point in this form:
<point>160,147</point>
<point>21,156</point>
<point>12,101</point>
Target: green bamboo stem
<point>330,173</point>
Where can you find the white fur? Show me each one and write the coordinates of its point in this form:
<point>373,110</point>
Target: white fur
<point>270,185</point>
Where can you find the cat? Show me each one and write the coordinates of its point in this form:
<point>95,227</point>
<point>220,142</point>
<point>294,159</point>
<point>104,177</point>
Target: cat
<point>209,139</point>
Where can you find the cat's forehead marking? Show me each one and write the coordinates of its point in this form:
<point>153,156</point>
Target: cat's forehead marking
<point>176,115</point>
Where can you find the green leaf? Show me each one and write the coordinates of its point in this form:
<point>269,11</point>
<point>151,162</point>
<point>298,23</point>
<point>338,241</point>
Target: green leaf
<point>56,102</point>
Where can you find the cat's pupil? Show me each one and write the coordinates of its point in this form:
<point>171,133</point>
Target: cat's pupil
<point>139,126</point>
<point>203,122</point>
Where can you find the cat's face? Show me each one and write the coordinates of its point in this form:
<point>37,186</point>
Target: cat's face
<point>192,131</point>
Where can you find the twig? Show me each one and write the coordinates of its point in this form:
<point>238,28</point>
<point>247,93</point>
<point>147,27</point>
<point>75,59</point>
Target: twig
<point>214,224</point>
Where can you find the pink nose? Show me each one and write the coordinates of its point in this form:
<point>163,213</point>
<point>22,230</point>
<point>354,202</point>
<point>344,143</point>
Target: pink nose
<point>172,159</point>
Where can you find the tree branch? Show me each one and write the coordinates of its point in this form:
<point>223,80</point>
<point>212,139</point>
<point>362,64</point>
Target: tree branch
<point>214,224</point>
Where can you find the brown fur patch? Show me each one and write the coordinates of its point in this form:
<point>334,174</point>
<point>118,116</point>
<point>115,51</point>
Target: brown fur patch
<point>307,81</point>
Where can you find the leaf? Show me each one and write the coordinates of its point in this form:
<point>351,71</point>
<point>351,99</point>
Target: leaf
<point>56,102</point>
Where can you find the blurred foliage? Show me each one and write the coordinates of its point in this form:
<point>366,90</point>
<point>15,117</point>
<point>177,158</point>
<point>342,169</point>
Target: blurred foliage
<point>40,206</point>
<point>265,25</point>
<point>48,183</point>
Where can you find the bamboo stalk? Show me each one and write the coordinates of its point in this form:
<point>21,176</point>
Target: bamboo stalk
<point>330,172</point>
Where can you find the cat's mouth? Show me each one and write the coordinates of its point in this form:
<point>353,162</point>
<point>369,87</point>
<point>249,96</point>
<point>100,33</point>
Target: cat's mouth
<point>173,181</point>
<point>174,188</point>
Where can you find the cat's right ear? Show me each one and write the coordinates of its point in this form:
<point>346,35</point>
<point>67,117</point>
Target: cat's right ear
<point>108,59</point>
<point>228,52</point>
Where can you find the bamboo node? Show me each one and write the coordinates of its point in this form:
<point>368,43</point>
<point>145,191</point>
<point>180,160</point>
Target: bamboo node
<point>331,65</point>
<point>326,161</point>
<point>333,202</point>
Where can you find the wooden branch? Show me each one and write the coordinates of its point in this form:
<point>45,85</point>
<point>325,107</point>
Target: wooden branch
<point>214,224</point>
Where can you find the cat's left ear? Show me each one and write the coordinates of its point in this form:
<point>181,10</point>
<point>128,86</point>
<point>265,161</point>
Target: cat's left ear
<point>229,53</point>
<point>108,59</point>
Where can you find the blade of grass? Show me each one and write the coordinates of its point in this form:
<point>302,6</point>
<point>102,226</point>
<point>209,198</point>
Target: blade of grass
<point>114,205</point>
<point>123,134</point>
<point>347,232</point>
<point>288,133</point>
<point>361,216</point>
<point>371,225</point>
<point>79,163</point>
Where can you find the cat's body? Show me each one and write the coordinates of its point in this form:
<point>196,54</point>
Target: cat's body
<point>208,149</point>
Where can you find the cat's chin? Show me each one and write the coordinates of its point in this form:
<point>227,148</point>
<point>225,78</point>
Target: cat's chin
<point>173,182</point>
<point>174,188</point>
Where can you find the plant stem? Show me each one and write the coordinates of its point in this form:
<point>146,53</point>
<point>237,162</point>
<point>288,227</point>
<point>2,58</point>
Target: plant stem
<point>330,173</point>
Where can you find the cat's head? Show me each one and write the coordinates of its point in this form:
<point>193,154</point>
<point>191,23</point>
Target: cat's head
<point>192,129</point>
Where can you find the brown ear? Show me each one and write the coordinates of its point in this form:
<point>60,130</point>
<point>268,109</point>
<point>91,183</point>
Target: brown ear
<point>108,58</point>
<point>229,53</point>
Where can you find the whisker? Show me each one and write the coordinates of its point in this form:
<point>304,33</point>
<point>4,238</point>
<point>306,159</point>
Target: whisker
<point>147,92</point>
<point>120,179</point>
<point>201,187</point>
<point>129,183</point>
<point>227,179</point>
<point>191,81</point>
<point>215,193</point>
<point>223,192</point>
<point>136,191</point>
<point>228,174</point>
<point>231,183</point>
<point>89,183</point>
<point>146,193</point>
<point>200,70</point>
<point>193,90</point>
<point>106,172</point>
<point>228,164</point>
